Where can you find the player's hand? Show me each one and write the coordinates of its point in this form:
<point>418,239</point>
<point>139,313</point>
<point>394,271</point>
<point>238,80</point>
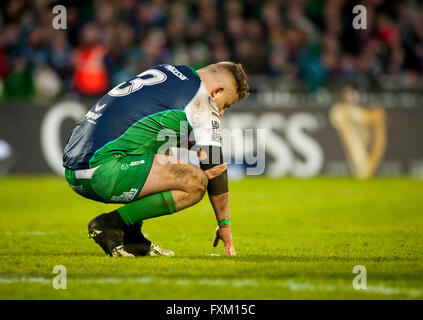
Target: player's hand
<point>225,235</point>
<point>216,171</point>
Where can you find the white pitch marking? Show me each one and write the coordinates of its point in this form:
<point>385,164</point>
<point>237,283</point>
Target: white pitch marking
<point>25,280</point>
<point>288,284</point>
<point>28,233</point>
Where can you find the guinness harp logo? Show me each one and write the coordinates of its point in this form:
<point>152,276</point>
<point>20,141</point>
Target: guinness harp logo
<point>362,132</point>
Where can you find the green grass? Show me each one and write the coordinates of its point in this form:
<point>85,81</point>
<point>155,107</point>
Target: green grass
<point>295,239</point>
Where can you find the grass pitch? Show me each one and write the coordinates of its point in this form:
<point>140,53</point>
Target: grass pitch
<point>295,239</point>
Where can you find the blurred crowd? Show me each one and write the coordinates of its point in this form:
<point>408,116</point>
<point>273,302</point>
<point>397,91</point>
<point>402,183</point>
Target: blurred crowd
<point>312,42</point>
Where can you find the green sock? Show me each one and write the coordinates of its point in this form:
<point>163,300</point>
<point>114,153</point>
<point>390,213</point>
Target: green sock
<point>151,206</point>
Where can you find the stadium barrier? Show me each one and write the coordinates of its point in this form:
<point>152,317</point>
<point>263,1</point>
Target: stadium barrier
<point>298,141</point>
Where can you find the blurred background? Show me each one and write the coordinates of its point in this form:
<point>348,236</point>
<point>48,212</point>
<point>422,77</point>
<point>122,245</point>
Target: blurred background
<point>332,99</point>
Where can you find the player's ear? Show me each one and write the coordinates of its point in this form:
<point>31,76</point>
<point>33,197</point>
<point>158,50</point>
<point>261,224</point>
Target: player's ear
<point>215,91</point>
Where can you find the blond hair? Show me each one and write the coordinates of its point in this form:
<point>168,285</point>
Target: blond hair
<point>238,74</point>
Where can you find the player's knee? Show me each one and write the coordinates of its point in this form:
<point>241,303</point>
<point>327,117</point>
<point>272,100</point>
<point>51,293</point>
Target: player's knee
<point>199,185</point>
<point>203,179</point>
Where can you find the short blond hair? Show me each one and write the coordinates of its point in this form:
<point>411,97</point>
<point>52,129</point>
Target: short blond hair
<point>238,73</point>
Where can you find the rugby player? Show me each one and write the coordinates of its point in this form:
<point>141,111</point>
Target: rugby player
<point>115,153</point>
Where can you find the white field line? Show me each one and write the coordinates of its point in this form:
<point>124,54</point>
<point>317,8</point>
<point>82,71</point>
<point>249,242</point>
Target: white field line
<point>28,233</point>
<point>287,284</point>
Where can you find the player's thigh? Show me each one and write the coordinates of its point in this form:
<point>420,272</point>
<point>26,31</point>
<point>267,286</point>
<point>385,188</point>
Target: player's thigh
<point>170,173</point>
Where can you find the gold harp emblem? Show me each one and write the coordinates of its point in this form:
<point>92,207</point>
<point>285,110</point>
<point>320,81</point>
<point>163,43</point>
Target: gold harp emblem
<point>362,132</point>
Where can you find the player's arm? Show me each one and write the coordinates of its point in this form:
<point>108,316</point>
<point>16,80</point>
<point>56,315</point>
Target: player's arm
<point>211,161</point>
<point>204,118</point>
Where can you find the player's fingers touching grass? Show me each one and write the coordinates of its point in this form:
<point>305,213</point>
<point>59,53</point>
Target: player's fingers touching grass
<point>230,250</point>
<point>224,234</point>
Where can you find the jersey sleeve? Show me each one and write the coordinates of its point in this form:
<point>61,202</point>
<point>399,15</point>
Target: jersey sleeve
<point>203,116</point>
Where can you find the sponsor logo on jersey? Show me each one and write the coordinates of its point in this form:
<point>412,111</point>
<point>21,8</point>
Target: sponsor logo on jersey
<point>127,196</point>
<point>78,188</point>
<point>216,131</point>
<point>98,108</point>
<point>124,166</point>
<point>92,116</point>
<point>176,72</point>
<point>136,163</point>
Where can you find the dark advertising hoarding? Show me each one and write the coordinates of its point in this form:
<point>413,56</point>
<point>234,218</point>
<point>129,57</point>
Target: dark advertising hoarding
<point>300,142</point>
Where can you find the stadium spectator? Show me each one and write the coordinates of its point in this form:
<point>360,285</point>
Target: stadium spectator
<point>19,83</point>
<point>90,75</point>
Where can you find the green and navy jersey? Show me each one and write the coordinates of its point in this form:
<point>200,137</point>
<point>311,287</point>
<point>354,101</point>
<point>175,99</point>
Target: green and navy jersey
<point>130,118</point>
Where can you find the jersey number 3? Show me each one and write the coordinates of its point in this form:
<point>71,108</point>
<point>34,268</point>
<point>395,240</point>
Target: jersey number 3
<point>128,87</point>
